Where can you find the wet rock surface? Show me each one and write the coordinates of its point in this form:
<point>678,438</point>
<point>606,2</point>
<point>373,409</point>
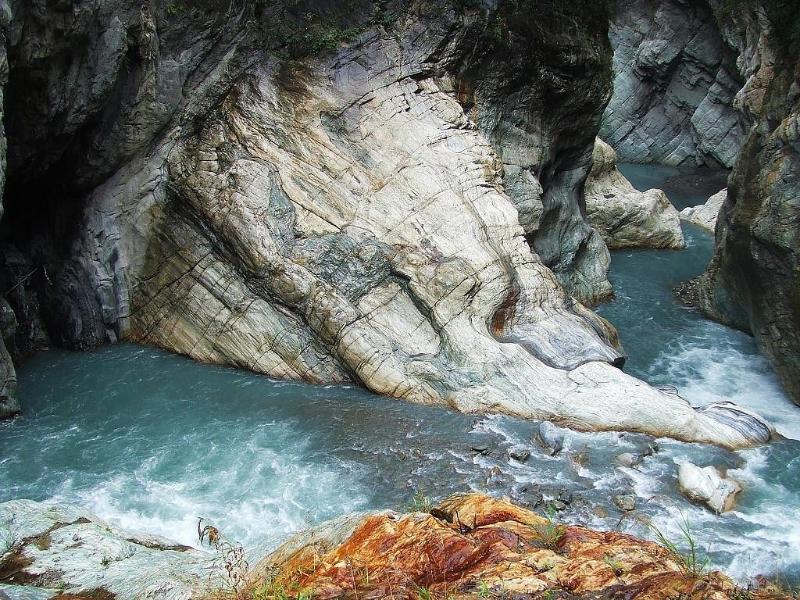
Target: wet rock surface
<point>705,215</point>
<point>368,213</point>
<point>752,281</point>
<point>708,486</point>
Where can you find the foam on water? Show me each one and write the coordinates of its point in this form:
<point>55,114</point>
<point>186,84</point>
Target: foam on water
<point>151,441</point>
<point>716,364</point>
<point>707,362</point>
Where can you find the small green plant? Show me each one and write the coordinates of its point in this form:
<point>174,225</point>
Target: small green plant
<point>483,590</point>
<point>420,502</point>
<point>549,595</point>
<point>691,563</point>
<point>268,588</point>
<point>614,564</point>
<point>549,533</point>
<point>424,593</point>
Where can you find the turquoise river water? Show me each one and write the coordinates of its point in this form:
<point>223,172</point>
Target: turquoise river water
<point>151,441</point>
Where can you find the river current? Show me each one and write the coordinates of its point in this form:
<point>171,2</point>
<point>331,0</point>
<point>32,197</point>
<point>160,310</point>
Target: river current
<point>150,441</point>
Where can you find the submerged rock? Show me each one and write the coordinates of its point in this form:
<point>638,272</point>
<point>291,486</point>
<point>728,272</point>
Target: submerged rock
<point>628,459</point>
<point>471,543</point>
<point>705,215</point>
<point>707,486</point>
<point>624,216</point>
<point>550,438</point>
<point>66,548</point>
<point>519,454</point>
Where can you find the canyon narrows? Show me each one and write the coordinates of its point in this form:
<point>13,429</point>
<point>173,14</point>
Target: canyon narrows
<point>398,200</point>
<point>404,210</point>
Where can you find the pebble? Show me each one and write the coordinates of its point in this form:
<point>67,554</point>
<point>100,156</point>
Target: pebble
<point>625,502</point>
<point>520,454</point>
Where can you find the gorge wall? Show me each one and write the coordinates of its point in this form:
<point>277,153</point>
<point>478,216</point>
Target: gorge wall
<point>675,80</point>
<point>716,82</point>
<point>753,281</point>
<point>386,193</point>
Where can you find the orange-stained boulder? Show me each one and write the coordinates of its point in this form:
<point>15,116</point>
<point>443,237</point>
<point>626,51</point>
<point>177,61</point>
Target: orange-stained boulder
<point>474,546</point>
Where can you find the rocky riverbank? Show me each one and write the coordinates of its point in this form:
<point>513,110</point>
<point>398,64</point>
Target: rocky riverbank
<point>469,546</point>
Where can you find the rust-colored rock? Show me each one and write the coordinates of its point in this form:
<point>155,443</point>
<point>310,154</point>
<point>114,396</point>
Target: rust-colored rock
<point>473,546</point>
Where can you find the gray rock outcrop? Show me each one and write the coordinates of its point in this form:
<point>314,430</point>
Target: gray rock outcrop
<point>706,485</point>
<point>63,549</point>
<point>707,82</point>
<point>443,303</point>
<point>9,404</point>
<point>705,215</point>
<point>753,281</point>
<point>624,216</point>
<point>675,80</point>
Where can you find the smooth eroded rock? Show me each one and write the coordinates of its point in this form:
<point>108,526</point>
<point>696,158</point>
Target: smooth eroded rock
<point>624,216</point>
<point>706,485</point>
<point>705,215</point>
<point>66,548</point>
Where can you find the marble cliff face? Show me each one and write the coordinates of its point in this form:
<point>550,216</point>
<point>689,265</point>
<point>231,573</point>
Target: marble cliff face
<point>397,202</point>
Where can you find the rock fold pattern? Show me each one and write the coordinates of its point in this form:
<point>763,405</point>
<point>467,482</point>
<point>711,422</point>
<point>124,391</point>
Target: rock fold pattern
<point>402,210</point>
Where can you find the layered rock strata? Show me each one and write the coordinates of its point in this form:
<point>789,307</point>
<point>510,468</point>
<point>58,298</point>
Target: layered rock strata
<point>339,216</point>
<point>675,80</point>
<point>624,216</point>
<point>388,252</point>
<point>753,281</point>
<point>715,83</point>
